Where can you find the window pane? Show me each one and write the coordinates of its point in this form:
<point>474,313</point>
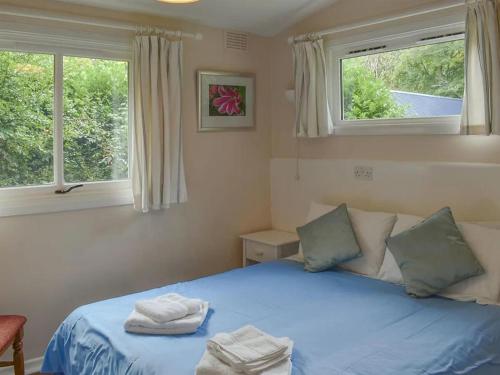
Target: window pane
<point>95,120</point>
<point>424,81</point>
<point>26,126</point>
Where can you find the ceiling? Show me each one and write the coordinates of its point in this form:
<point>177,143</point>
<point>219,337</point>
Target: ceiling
<point>262,17</point>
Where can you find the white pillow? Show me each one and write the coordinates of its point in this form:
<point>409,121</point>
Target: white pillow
<point>483,241</point>
<point>488,224</point>
<point>484,289</point>
<point>371,229</point>
<point>389,271</point>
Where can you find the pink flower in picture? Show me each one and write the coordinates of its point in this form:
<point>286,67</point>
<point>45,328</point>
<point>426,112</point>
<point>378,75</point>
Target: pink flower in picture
<point>214,90</point>
<point>227,100</point>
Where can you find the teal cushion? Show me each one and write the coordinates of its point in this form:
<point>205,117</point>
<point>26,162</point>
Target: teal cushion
<point>433,255</point>
<point>328,240</point>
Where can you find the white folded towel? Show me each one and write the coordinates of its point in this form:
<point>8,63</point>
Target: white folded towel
<point>211,365</point>
<point>247,350</point>
<point>139,323</point>
<point>169,307</point>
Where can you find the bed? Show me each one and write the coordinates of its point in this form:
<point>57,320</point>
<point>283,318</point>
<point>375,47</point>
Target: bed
<point>341,323</point>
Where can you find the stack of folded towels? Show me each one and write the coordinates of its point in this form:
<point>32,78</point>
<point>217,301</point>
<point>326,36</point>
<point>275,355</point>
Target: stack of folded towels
<point>246,350</point>
<point>171,314</point>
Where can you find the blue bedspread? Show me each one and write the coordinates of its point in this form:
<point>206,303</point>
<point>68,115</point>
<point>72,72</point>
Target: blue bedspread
<point>341,324</point>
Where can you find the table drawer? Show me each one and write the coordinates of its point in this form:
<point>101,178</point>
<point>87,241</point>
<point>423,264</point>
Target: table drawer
<point>260,252</point>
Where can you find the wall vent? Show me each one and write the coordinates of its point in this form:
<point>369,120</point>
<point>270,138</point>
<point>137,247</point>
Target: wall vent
<point>236,41</point>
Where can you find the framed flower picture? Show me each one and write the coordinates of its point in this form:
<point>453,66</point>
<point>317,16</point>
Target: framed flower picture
<point>226,101</point>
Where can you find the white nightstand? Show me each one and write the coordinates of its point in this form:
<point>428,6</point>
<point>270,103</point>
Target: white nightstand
<point>268,245</point>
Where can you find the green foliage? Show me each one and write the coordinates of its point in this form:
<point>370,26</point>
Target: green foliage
<point>26,102</point>
<point>436,69</point>
<point>365,96</point>
<point>95,119</point>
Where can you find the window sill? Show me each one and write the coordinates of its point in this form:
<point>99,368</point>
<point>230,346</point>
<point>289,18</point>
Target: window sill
<point>398,127</point>
<point>41,199</point>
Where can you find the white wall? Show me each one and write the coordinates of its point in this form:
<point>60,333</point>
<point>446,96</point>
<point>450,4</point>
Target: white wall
<point>418,188</point>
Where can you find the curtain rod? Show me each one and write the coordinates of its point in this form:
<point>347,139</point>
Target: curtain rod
<point>13,11</point>
<point>374,22</point>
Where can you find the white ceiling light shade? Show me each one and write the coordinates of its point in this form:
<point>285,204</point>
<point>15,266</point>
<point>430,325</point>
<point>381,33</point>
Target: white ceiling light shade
<point>178,1</point>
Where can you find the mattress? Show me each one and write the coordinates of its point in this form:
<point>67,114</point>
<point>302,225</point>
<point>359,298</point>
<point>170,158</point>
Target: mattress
<point>341,323</point>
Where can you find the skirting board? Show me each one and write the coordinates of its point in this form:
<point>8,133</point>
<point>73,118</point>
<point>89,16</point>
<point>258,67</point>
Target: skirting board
<point>30,367</point>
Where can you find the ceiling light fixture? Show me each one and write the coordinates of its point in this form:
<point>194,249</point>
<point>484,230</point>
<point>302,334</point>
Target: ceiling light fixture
<point>178,1</point>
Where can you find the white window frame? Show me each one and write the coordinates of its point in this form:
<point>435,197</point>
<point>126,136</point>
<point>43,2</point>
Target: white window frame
<point>404,126</point>
<point>42,199</point>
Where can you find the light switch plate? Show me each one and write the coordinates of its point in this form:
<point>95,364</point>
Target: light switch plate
<point>363,173</point>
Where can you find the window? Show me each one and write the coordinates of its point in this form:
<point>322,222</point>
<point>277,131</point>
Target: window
<point>64,120</point>
<point>413,82</point>
<point>425,81</point>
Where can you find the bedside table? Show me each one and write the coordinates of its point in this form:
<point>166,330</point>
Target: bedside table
<point>268,246</point>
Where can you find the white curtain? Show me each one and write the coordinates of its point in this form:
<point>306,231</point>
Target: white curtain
<point>158,169</point>
<point>482,68</point>
<point>313,115</point>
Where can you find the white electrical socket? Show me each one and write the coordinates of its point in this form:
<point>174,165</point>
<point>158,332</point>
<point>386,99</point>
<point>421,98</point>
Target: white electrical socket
<point>363,173</point>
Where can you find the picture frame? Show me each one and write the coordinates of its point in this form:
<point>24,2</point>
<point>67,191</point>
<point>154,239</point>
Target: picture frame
<point>226,101</point>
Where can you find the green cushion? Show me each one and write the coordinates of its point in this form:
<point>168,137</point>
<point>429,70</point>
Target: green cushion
<point>433,255</point>
<point>328,240</point>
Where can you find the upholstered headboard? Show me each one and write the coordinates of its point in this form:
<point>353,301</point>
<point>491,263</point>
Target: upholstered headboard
<point>418,188</point>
